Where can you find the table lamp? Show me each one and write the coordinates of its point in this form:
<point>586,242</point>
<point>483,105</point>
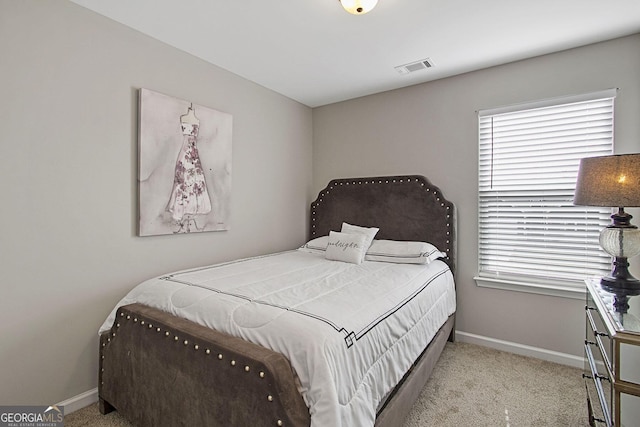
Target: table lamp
<point>614,181</point>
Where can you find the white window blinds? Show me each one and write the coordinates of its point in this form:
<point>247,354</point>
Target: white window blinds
<point>529,229</point>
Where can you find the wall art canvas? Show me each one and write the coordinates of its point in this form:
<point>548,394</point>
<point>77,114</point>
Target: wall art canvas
<point>184,166</point>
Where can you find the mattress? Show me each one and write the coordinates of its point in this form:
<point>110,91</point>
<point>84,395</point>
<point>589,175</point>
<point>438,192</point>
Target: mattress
<point>350,331</point>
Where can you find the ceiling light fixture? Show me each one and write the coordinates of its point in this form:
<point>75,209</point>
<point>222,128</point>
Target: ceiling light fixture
<point>358,7</point>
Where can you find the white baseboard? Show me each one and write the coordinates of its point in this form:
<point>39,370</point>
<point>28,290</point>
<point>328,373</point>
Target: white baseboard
<point>521,349</point>
<point>80,401</point>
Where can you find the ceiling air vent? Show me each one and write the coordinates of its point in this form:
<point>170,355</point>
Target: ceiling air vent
<point>414,66</point>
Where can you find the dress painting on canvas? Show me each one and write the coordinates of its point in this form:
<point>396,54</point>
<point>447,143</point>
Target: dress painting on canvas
<point>185,166</point>
<point>189,197</point>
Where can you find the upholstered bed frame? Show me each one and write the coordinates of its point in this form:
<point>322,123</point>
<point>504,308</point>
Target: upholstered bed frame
<point>160,370</point>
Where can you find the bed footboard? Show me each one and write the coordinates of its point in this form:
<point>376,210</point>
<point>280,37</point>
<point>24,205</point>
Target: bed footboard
<point>160,370</point>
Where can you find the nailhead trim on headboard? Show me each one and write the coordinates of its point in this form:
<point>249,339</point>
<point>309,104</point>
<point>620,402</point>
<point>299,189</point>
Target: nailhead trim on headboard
<point>335,190</point>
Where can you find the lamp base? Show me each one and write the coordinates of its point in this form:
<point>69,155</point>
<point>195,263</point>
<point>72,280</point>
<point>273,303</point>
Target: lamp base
<point>621,296</point>
<point>615,283</point>
<point>621,283</point>
<point>620,278</point>
<point>631,283</point>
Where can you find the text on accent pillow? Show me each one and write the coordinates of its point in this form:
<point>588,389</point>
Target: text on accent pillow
<point>346,247</point>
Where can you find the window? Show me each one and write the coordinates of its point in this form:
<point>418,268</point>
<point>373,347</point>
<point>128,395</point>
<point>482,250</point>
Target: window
<point>530,235</point>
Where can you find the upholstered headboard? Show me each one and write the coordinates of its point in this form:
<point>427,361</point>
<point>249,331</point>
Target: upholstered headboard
<point>402,207</point>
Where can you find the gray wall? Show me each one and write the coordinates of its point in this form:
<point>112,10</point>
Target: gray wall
<point>68,158</point>
<point>68,115</point>
<point>431,129</point>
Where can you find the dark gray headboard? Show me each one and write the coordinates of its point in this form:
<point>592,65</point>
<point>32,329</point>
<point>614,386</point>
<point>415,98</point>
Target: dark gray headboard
<point>402,207</point>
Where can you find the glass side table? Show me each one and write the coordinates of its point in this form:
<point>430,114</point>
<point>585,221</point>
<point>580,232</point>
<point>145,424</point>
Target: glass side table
<point>612,356</point>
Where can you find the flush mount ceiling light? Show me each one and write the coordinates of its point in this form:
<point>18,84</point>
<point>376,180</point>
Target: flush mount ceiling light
<point>358,7</point>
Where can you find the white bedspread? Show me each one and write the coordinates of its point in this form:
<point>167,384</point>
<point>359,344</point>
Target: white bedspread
<point>350,331</point>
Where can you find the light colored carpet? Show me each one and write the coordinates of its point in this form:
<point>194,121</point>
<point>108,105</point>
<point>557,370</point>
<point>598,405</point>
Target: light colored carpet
<point>477,386</point>
<point>470,386</point>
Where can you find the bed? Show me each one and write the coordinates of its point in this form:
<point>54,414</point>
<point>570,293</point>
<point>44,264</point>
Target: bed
<point>161,365</point>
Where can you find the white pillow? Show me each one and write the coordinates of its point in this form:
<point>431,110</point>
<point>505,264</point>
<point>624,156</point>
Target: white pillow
<point>402,252</point>
<point>354,229</point>
<point>346,247</point>
<point>315,246</point>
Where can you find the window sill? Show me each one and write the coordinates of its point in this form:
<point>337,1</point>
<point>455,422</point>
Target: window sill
<point>532,288</point>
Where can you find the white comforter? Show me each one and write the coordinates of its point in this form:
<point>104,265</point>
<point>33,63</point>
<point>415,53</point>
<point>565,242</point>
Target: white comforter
<point>350,331</point>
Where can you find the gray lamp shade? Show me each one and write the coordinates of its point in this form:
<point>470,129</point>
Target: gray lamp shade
<point>609,181</point>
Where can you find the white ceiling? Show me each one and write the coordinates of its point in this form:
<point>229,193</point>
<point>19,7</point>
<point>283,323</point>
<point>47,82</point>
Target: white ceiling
<point>316,53</point>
